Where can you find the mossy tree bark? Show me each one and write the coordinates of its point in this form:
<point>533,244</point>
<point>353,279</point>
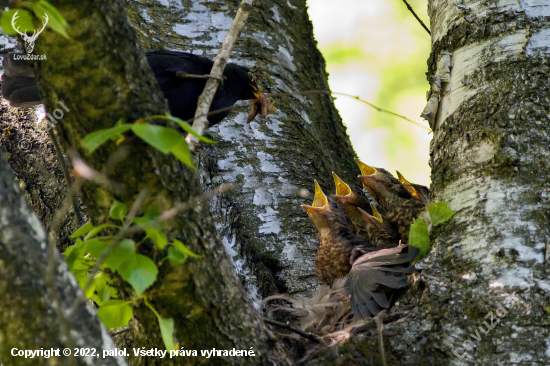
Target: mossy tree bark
<point>35,297</point>
<point>489,157</point>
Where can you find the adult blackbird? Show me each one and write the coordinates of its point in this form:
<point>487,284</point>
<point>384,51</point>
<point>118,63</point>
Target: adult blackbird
<point>400,206</point>
<point>181,77</point>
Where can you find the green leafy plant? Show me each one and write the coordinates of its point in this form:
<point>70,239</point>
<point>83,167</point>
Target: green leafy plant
<point>98,258</point>
<point>40,9</point>
<point>419,233</point>
<point>165,139</point>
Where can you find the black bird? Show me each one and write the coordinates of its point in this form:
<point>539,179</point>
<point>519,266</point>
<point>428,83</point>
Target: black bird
<point>181,77</point>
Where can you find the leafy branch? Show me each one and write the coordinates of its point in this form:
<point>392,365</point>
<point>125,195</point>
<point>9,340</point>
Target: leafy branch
<point>112,255</point>
<point>165,139</point>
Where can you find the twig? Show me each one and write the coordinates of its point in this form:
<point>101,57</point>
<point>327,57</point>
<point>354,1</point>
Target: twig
<point>120,332</point>
<point>328,92</point>
<point>206,97</point>
<point>417,18</point>
<point>68,179</point>
<point>381,109</point>
<point>309,336</point>
<point>380,327</point>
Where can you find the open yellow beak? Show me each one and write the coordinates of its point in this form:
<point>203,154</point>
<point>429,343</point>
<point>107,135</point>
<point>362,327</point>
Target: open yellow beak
<point>342,189</point>
<point>408,185</point>
<point>374,218</point>
<point>366,169</point>
<point>320,201</point>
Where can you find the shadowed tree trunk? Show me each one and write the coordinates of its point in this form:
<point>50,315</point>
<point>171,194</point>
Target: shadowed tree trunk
<point>30,318</point>
<point>269,161</point>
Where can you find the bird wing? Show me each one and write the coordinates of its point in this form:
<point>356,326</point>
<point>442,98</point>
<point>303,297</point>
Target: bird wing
<point>169,62</point>
<point>377,274</point>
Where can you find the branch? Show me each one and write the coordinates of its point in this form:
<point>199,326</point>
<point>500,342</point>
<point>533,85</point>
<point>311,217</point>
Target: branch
<point>309,336</point>
<point>205,99</point>
<point>417,18</point>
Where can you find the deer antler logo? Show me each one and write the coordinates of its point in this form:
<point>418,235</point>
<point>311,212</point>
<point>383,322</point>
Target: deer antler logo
<point>29,40</point>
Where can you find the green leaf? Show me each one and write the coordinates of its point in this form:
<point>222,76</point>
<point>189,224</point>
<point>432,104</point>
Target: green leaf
<point>118,210</point>
<point>96,230</point>
<point>96,247</point>
<point>121,252</point>
<point>182,153</point>
<point>83,230</point>
<point>167,332</point>
<point>440,213</point>
<point>161,138</point>
<point>103,291</point>
<point>23,22</point>
<point>73,252</point>
<point>178,244</point>
<point>55,20</point>
<point>189,129</point>
<point>157,237</point>
<point>184,125</point>
<point>176,256</point>
<point>115,313</point>
<point>419,237</point>
<point>97,138</point>
<point>151,214</point>
<point>139,271</point>
<point>166,328</point>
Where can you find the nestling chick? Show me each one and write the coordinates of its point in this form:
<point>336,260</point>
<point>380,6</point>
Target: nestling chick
<point>376,276</point>
<point>381,233</point>
<point>400,205</point>
<point>351,199</point>
<point>336,239</point>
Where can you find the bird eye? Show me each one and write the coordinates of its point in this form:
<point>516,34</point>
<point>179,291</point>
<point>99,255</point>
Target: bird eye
<point>333,204</point>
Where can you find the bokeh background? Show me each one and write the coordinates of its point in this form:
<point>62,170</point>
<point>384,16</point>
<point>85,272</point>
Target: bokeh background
<point>377,50</point>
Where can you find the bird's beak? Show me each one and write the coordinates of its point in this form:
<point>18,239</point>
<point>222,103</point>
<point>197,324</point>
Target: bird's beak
<point>366,169</point>
<point>342,189</point>
<point>344,194</point>
<point>320,201</point>
<point>408,185</point>
<point>375,218</point>
<point>369,181</point>
<point>371,218</point>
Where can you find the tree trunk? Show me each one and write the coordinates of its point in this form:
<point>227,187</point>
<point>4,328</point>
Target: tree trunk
<point>268,162</point>
<point>203,296</point>
<point>33,313</point>
<point>489,157</point>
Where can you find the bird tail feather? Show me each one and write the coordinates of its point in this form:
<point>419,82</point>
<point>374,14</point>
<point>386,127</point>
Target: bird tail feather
<point>18,83</point>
